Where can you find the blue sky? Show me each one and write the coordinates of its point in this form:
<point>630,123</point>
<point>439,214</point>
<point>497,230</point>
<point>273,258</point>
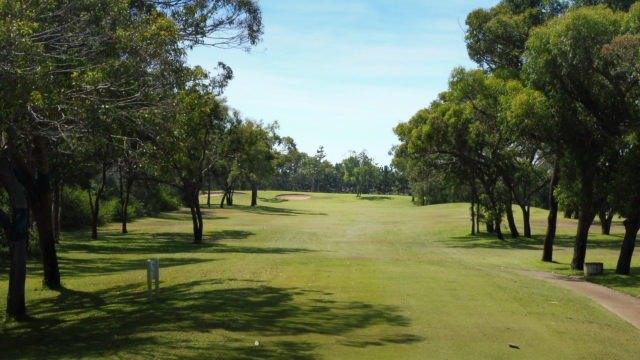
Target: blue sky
<point>342,74</point>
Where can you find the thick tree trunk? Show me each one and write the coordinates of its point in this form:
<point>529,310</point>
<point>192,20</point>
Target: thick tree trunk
<point>585,219</point>
<point>511,221</point>
<point>631,226</point>
<point>552,219</point>
<point>224,197</point>
<point>57,209</point>
<point>254,194</point>
<point>17,231</point>
<point>18,273</point>
<point>473,217</point>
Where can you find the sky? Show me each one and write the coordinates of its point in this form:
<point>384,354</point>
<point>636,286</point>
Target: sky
<point>343,73</point>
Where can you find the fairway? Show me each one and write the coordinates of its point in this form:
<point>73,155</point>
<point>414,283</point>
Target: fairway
<point>329,277</point>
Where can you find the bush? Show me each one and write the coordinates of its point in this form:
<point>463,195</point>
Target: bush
<point>76,211</point>
<point>158,198</point>
<point>113,212</point>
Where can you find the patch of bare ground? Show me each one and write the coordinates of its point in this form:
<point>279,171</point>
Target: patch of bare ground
<point>625,306</point>
<point>293,197</point>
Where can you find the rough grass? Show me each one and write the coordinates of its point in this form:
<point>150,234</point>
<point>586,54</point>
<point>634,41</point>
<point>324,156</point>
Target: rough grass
<point>333,277</point>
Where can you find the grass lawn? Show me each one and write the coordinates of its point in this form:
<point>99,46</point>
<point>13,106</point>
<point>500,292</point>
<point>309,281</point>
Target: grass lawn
<point>333,277</point>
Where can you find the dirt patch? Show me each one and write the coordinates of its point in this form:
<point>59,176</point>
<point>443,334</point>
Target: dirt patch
<point>218,193</point>
<point>293,197</point>
<point>623,305</point>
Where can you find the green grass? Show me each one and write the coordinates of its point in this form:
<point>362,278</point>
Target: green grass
<point>334,277</point>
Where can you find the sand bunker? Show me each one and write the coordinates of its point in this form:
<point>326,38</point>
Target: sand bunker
<point>293,197</point>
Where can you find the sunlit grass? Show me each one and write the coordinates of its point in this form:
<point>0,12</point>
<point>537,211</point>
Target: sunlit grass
<point>334,277</point>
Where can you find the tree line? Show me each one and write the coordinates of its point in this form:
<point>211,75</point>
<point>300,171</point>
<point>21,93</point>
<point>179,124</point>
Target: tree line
<point>553,109</point>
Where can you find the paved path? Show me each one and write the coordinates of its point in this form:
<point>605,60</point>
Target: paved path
<point>623,305</point>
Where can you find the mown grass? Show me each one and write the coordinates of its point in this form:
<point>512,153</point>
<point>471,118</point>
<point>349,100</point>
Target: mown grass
<point>334,277</point>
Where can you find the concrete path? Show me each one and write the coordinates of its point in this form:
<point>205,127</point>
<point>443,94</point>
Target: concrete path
<point>623,305</point>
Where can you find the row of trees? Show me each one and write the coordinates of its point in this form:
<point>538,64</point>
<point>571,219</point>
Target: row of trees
<point>90,86</point>
<point>357,173</point>
<point>554,106</point>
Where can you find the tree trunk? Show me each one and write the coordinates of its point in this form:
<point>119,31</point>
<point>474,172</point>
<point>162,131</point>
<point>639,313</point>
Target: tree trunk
<point>18,273</point>
<point>478,216</point>
<point>57,209</point>
<point>606,217</point>
<point>490,227</point>
<point>552,219</point>
<point>526,219</point>
<point>196,215</point>
<point>511,221</point>
<point>125,204</point>
<point>254,194</point>
<point>473,213</point>
<point>631,226</point>
<point>41,208</point>
<point>209,193</point>
<point>17,231</point>
<point>230,197</point>
<point>497,229</point>
<point>95,207</point>
<point>224,197</point>
<point>568,212</point>
<point>585,219</point>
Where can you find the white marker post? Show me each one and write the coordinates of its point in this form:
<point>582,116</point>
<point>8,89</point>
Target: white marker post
<point>153,273</point>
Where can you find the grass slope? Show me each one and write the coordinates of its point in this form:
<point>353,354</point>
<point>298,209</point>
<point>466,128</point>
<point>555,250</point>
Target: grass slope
<point>334,277</point>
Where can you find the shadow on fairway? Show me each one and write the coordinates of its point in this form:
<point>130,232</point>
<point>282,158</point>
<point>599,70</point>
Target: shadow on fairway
<point>490,241</point>
<point>374,198</point>
<point>170,243</point>
<point>270,210</point>
<point>271,200</point>
<point>120,322</point>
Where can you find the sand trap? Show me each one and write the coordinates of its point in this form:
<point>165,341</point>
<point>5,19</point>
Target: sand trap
<point>218,193</point>
<point>293,197</point>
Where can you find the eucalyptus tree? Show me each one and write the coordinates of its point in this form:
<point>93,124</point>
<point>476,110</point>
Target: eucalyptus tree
<point>567,60</point>
<point>360,172</point>
<point>255,160</point>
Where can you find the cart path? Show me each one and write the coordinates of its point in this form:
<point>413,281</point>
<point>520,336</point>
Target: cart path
<point>625,306</point>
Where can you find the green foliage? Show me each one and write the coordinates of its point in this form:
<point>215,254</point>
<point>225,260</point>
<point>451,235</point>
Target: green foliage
<point>76,211</point>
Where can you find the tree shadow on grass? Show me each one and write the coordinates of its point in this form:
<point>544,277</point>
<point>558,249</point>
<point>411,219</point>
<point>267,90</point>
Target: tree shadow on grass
<point>270,210</point>
<point>611,279</point>
<point>74,267</point>
<point>271,200</point>
<point>141,243</point>
<point>490,241</point>
<point>120,322</point>
<point>374,198</point>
